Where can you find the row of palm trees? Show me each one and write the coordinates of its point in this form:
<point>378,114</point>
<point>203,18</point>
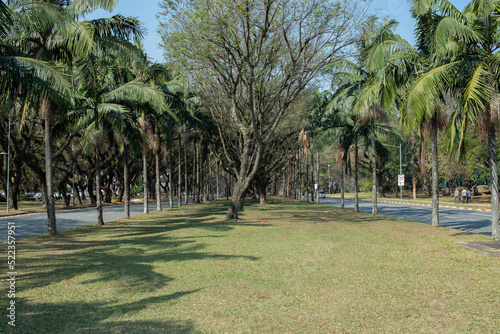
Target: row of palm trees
<point>455,59</point>
<point>90,78</point>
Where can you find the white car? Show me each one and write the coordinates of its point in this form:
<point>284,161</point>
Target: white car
<point>322,194</point>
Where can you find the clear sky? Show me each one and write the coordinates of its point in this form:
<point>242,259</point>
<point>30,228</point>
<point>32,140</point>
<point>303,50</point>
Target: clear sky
<point>146,10</point>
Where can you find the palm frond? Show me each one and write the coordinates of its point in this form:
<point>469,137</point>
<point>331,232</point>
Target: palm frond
<point>39,76</point>
<point>39,16</point>
<point>119,26</point>
<point>81,7</point>
<point>5,19</point>
<point>478,91</point>
<point>138,92</point>
<point>75,37</point>
<point>422,99</point>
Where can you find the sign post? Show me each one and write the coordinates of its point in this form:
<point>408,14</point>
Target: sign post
<point>401,183</point>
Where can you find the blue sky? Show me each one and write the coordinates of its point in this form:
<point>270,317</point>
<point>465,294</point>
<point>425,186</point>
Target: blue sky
<point>146,10</point>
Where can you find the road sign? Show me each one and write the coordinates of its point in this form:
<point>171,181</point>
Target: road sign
<point>401,180</point>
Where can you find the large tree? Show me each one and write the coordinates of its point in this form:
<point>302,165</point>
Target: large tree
<point>256,56</point>
<point>471,38</point>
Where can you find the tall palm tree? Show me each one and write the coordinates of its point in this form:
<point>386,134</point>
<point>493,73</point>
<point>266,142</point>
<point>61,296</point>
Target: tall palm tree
<point>471,39</point>
<point>43,34</point>
<point>104,97</point>
<point>433,72</point>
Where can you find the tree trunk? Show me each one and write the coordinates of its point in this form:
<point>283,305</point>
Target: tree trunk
<point>126,182</point>
<point>414,181</point>
<point>435,174</point>
<point>244,178</point>
<point>492,150</point>
<point>356,195</point>
<point>235,204</point>
<point>90,189</point>
<point>197,166</point>
<point>186,191</point>
<point>145,180</point>
<point>374,170</point>
<point>217,178</point>
<point>342,186</point>
<point>179,188</point>
<point>49,168</point>
<point>317,179</point>
<point>100,219</point>
<point>77,193</point>
<point>158,187</point>
<point>170,184</point>
<point>261,190</point>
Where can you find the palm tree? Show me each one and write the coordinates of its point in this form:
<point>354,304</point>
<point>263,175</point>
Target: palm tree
<point>433,70</point>
<point>45,35</point>
<point>373,83</point>
<point>105,99</point>
<point>471,38</point>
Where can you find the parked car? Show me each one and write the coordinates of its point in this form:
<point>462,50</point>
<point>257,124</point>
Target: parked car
<point>322,194</point>
<point>38,196</point>
<point>29,196</point>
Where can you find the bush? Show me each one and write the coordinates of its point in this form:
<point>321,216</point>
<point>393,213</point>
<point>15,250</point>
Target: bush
<point>366,186</point>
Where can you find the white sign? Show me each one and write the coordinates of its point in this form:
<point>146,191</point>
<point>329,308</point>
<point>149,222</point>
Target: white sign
<point>401,180</point>
<point>315,186</point>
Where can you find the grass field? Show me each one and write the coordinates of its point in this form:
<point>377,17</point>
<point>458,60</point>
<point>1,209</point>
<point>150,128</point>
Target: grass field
<point>285,267</point>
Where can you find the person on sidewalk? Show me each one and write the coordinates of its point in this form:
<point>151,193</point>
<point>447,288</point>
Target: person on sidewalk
<point>464,196</point>
<point>469,196</point>
<point>457,196</point>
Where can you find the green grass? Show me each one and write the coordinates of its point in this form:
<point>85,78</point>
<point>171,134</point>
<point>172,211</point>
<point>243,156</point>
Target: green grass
<point>286,267</point>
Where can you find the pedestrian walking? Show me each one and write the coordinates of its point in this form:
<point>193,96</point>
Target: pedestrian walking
<point>464,195</point>
<point>457,196</point>
<point>469,196</point>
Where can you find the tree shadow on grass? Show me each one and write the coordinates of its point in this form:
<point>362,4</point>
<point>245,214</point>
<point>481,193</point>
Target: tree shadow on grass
<point>95,317</point>
<point>121,253</point>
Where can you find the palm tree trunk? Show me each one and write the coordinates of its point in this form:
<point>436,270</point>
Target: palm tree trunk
<point>356,195</point>
<point>313,185</point>
<point>170,184</point>
<point>342,185</point>
<point>158,189</point>
<point>49,167</point>
<point>145,179</point>
<point>374,170</point>
<point>317,179</point>
<point>217,178</point>
<point>100,219</point>
<point>492,150</point>
<point>197,166</point>
<point>185,177</point>
<point>179,188</point>
<point>435,174</point>
<point>126,182</point>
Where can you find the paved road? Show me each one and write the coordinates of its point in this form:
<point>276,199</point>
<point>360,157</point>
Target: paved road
<point>465,220</point>
<point>36,224</point>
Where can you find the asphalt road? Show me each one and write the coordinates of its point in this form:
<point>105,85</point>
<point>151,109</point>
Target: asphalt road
<point>460,219</point>
<point>36,224</point>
